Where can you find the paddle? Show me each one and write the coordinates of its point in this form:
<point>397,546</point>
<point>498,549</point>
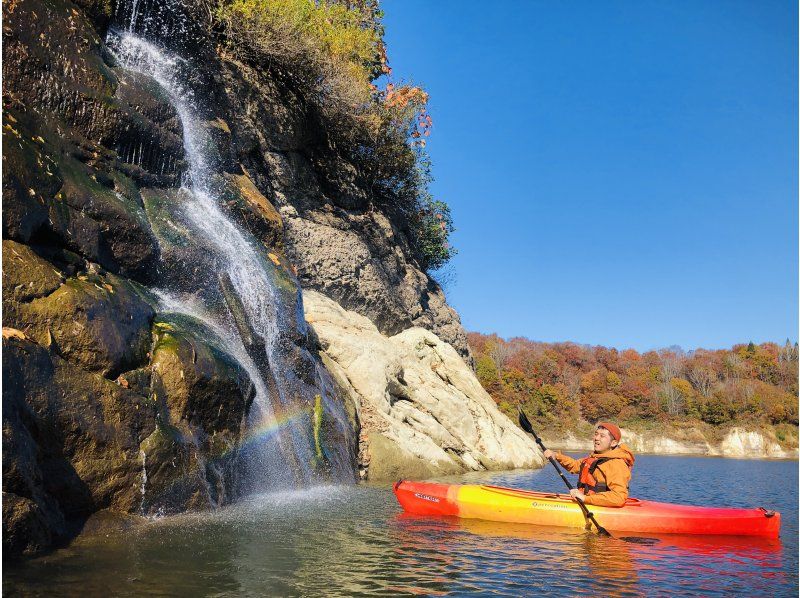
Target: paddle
<point>526,425</point>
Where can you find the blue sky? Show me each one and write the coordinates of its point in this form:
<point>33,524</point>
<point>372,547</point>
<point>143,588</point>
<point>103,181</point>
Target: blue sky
<point>620,173</point>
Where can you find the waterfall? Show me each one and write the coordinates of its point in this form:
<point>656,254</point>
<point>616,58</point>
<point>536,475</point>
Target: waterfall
<point>143,486</point>
<point>279,450</point>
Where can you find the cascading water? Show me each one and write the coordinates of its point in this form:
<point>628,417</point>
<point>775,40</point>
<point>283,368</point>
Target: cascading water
<point>143,487</point>
<point>280,451</point>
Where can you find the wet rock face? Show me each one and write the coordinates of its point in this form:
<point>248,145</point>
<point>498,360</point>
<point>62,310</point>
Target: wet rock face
<point>95,319</point>
<point>202,396</point>
<point>200,385</point>
<point>74,441</point>
<point>78,134</point>
<point>70,445</point>
<point>87,407</point>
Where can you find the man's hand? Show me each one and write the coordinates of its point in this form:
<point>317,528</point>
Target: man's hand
<point>548,453</point>
<point>577,494</point>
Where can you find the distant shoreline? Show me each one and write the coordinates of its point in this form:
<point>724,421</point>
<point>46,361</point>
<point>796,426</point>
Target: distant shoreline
<point>572,451</point>
<point>737,442</point>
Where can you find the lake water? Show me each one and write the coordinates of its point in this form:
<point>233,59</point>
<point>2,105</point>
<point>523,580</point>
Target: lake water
<point>349,541</point>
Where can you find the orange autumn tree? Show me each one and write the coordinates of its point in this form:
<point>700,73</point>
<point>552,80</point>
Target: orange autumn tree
<point>560,383</point>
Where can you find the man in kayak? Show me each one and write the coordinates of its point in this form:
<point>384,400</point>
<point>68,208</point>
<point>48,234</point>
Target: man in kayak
<point>605,474</point>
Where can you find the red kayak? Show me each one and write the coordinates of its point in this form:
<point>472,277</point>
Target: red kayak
<point>493,503</point>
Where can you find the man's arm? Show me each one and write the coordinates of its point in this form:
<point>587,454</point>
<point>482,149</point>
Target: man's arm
<point>568,463</point>
<point>617,475</point>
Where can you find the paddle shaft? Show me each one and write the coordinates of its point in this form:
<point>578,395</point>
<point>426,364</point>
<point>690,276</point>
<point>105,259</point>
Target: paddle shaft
<point>601,530</point>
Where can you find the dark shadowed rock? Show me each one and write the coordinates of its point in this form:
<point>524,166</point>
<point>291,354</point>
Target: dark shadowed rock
<point>70,445</point>
<point>26,529</point>
<point>148,137</point>
<point>125,242</point>
<point>28,189</point>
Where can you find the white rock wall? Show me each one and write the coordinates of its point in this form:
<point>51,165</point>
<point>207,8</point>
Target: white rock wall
<point>422,411</point>
<point>737,443</point>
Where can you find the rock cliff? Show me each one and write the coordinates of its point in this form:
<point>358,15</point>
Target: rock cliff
<point>114,398</point>
<point>341,240</point>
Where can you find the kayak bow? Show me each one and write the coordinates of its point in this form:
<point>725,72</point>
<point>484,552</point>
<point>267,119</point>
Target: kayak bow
<point>494,503</point>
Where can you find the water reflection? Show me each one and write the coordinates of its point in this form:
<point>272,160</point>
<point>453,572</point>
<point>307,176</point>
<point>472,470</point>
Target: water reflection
<point>524,556</point>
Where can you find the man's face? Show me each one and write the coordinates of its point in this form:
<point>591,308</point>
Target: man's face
<point>603,440</point>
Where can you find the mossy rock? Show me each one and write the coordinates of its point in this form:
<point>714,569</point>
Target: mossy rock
<point>163,208</point>
<point>33,206</point>
<point>26,276</point>
<point>70,445</point>
<point>202,388</point>
<point>26,529</point>
<point>96,319</point>
<point>126,242</point>
<point>203,396</point>
<point>65,163</point>
<point>30,181</point>
<point>90,208</point>
<point>137,380</point>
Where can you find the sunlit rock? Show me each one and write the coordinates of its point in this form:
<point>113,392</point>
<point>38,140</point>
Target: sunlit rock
<point>421,410</point>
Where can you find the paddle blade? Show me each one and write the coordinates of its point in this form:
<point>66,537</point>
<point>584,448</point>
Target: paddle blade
<point>524,423</point>
<point>602,531</point>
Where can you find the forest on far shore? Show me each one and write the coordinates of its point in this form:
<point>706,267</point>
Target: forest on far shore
<point>562,384</point>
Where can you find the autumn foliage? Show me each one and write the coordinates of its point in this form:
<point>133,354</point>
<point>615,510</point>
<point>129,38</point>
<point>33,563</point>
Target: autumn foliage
<point>563,383</point>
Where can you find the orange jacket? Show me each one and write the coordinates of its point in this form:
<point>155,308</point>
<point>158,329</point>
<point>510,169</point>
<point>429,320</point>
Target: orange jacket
<point>616,474</point>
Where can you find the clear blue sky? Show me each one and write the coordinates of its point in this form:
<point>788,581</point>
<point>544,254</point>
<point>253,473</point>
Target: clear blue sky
<point>620,173</point>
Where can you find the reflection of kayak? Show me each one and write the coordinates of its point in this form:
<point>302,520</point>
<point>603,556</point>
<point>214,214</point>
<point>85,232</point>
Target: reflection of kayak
<point>539,508</point>
<point>753,547</point>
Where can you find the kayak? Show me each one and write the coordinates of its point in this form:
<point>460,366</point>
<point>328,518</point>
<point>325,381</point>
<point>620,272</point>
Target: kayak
<point>494,503</point>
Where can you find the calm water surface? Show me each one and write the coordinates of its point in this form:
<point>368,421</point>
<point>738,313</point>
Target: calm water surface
<point>348,541</point>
